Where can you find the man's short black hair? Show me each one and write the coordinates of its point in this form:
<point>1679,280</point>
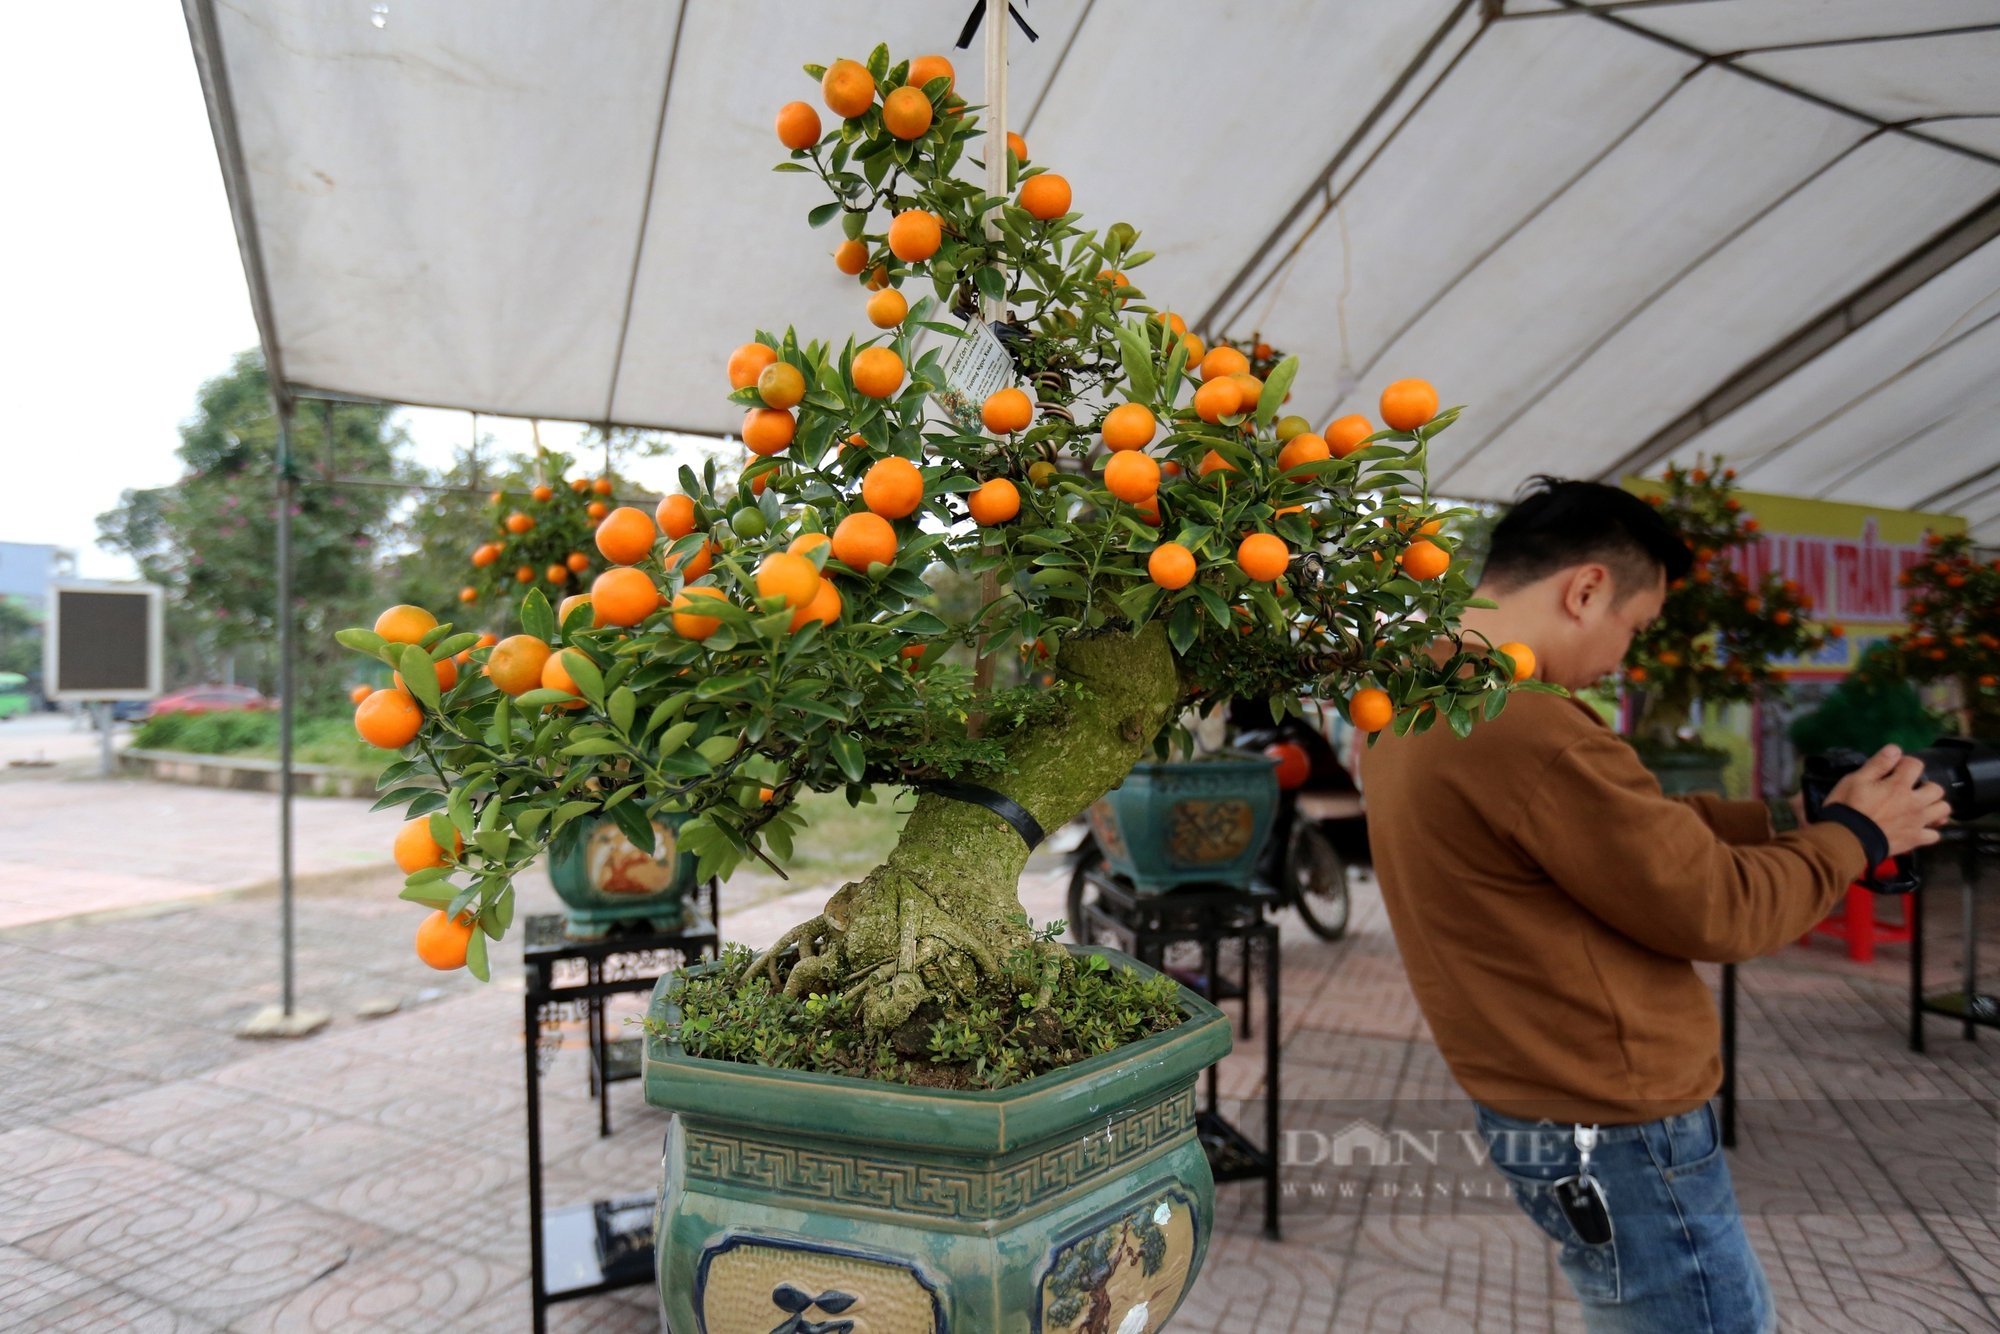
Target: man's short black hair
<point>1558,523</point>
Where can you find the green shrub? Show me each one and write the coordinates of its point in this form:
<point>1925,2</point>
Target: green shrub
<point>208,733</point>
<point>323,740</point>
<point>1033,1017</point>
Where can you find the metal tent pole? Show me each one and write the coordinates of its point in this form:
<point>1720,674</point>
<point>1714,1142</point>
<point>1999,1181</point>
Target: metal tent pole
<point>285,1020</point>
<point>287,703</point>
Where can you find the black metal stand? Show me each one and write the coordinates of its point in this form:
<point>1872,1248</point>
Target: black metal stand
<point>1973,1008</point>
<point>1144,925</point>
<point>586,1249</point>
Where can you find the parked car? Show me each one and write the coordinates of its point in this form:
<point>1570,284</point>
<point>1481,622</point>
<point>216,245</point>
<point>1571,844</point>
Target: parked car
<point>131,710</point>
<point>14,695</point>
<point>211,699</point>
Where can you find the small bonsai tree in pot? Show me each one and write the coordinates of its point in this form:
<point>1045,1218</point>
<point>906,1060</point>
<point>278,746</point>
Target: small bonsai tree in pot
<point>915,1101</point>
<point>538,535</point>
<point>1954,630</point>
<point>1720,634</point>
<point>1874,707</point>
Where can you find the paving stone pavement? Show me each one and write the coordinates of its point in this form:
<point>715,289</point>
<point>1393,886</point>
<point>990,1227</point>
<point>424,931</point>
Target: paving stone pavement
<point>159,1174</point>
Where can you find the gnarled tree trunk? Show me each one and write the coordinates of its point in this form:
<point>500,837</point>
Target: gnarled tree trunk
<point>940,912</point>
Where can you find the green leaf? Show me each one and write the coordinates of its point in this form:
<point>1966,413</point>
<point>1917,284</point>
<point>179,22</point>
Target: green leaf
<point>1212,600</point>
<point>530,820</point>
<point>1276,388</point>
<point>919,623</point>
<point>824,214</point>
<point>620,708</point>
<point>400,769</point>
<point>1181,627</point>
<point>432,894</point>
<point>540,695</point>
<point>420,676</point>
<point>671,707</point>
<point>1138,363</point>
<point>1274,615</point>
<point>537,618</point>
<point>453,646</point>
<point>584,672</point>
<point>497,727</point>
<point>398,796</point>
<point>475,957</point>
<point>675,737</point>
<point>847,754</point>
<point>854,224</point>
<point>635,825</point>
<point>361,641</point>
<point>715,687</point>
<point>595,746</point>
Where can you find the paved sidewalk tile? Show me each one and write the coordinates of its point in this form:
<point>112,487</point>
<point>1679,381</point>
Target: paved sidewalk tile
<point>158,1173</point>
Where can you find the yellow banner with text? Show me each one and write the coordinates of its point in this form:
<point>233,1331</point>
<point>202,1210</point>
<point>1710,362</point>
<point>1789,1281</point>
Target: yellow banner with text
<point>1849,559</point>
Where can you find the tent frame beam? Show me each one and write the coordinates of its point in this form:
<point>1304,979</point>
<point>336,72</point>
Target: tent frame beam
<point>1320,183</point>
<point>1818,335</point>
<point>207,39</point>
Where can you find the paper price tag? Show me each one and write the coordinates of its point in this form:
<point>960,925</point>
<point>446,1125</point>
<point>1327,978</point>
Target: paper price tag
<point>974,369</point>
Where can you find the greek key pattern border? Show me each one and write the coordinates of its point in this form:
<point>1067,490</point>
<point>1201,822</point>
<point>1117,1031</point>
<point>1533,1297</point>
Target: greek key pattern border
<point>832,1176</point>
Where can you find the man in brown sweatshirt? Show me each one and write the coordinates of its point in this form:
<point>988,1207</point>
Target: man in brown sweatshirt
<point>1549,903</point>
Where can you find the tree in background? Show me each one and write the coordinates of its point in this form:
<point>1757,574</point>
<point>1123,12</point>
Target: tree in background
<point>1719,635</point>
<point>210,538</point>
<point>1954,630</point>
<point>20,638</point>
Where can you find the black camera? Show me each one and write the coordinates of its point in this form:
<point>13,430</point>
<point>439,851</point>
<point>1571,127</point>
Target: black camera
<point>1968,771</point>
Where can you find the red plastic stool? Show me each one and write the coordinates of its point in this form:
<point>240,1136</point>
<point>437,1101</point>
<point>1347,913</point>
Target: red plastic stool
<point>1856,924</point>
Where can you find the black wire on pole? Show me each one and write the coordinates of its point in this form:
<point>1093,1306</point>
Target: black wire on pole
<point>978,14</point>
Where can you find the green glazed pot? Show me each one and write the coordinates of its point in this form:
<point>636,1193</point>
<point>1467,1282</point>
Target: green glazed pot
<point>1185,822</point>
<point>1080,1199</point>
<point>1684,772</point>
<point>603,879</point>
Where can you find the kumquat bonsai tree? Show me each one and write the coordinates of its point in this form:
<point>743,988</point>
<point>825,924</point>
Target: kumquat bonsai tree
<point>1147,527</point>
<point>1720,635</point>
<point>1954,629</point>
<point>541,535</point>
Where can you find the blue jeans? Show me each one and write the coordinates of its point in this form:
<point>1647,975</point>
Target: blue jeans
<point>1677,1261</point>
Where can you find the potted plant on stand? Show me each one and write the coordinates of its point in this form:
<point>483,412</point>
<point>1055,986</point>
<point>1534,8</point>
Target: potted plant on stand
<point>916,1106</point>
<point>1719,636</point>
<point>1954,630</point>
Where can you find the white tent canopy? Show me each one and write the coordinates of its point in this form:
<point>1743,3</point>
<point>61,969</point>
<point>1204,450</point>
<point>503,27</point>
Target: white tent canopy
<point>1619,232</point>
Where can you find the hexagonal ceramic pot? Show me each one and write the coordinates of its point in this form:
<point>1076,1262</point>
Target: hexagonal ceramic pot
<point>604,879</point>
<point>1185,822</point>
<point>1079,1200</point>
